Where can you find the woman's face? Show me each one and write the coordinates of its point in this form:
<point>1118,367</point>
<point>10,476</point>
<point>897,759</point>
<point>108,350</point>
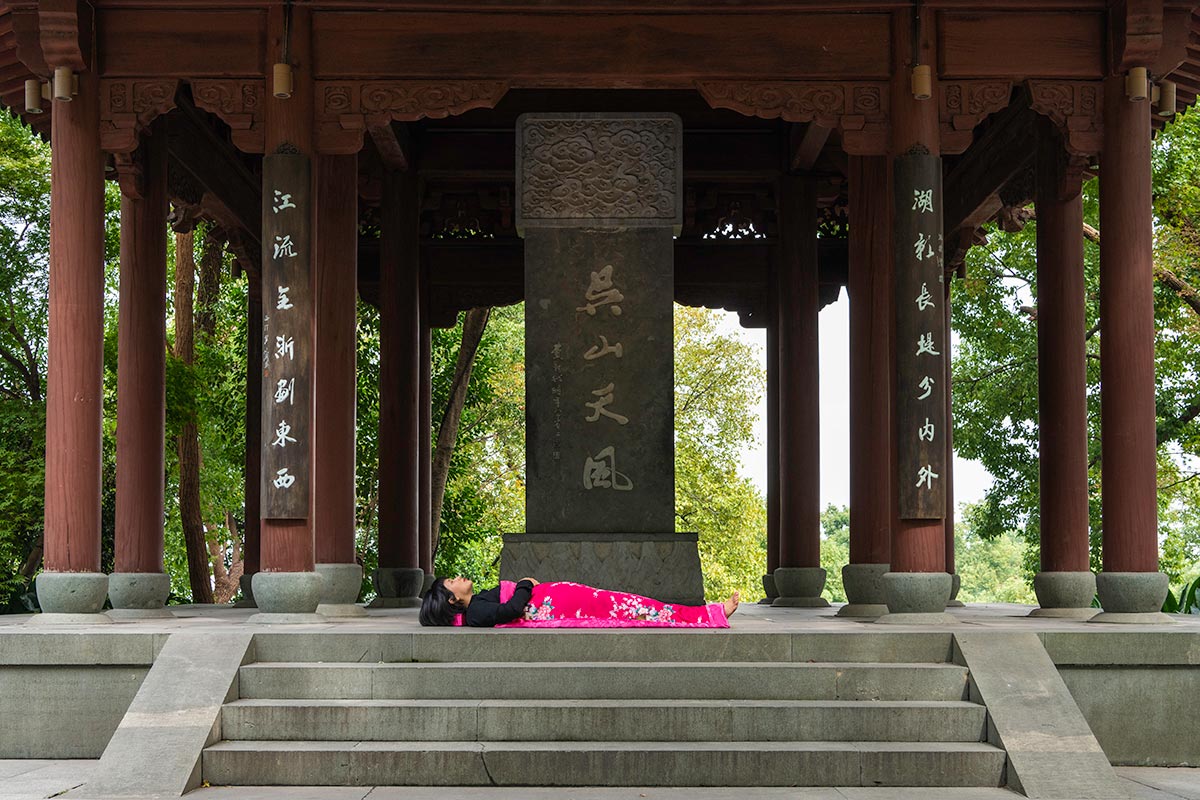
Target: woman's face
<point>460,587</point>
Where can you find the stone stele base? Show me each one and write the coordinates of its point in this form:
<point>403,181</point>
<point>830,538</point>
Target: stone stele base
<point>662,566</point>
<point>1065,595</point>
<point>1132,597</point>
<point>768,582</point>
<point>287,597</point>
<point>917,598</point>
<point>71,598</point>
<point>397,587</point>
<point>246,584</point>
<point>865,593</point>
<point>800,587</point>
<point>139,595</point>
<point>955,585</point>
<point>342,585</point>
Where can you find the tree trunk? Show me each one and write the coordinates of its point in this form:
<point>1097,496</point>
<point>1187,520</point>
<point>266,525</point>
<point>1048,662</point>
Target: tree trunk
<point>227,580</point>
<point>473,327</point>
<point>187,443</point>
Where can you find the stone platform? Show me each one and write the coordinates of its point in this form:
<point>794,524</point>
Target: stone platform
<point>1054,692</point>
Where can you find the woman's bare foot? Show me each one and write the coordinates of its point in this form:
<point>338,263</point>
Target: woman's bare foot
<point>732,603</point>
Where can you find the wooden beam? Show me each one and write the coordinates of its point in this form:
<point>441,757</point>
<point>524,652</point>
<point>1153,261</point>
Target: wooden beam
<point>971,188</point>
<point>393,144</point>
<point>807,142</point>
<point>975,44</point>
<point>216,167</point>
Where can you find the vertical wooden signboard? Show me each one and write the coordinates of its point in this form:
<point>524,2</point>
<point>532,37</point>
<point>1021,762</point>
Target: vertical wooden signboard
<point>921,338</point>
<point>287,345</point>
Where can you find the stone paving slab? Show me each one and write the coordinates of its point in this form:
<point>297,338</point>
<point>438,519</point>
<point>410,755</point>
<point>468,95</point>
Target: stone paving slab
<point>1163,783</point>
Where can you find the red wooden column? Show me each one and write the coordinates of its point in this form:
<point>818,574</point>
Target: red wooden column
<point>1065,585</point>
<point>252,536</point>
<point>138,585</point>
<point>951,567</point>
<point>772,439</point>
<point>287,583</point>
<point>799,578</point>
<point>425,520</point>
<point>918,582</point>
<point>335,274</point>
<point>1130,582</point>
<point>72,582</point>
<point>399,579</point>
<point>870,290</point>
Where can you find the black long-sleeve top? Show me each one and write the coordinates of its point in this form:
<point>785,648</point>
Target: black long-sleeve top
<point>486,610</point>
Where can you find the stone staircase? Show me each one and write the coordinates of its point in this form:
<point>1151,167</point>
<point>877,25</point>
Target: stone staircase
<point>641,708</point>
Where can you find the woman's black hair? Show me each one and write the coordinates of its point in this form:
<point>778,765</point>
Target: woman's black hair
<point>437,606</point>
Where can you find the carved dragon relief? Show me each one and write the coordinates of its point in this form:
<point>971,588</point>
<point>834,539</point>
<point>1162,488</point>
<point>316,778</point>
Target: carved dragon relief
<point>240,104</point>
<point>964,104</point>
<point>344,109</point>
<point>128,106</point>
<point>859,110</point>
<point>1076,108</point>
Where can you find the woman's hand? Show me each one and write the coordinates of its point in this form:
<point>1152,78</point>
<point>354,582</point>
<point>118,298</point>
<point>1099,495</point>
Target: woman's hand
<point>531,580</point>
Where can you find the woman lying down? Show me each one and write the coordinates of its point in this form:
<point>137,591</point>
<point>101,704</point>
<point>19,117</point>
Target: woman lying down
<point>530,604</point>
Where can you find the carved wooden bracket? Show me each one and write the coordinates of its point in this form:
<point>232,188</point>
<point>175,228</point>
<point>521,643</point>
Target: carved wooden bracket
<point>130,173</point>
<point>344,109</point>
<point>1076,108</point>
<point>964,104</point>
<point>239,102</point>
<point>128,106</point>
<point>859,110</point>
<point>53,33</point>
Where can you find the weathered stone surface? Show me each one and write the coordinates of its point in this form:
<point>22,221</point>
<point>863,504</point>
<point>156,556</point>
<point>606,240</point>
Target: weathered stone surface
<point>665,566</point>
<point>72,592</point>
<point>140,591</point>
<point>917,592</point>
<point>157,747</point>
<point>1051,750</point>
<point>1064,594</point>
<point>288,592</point>
<point>800,587</point>
<point>63,711</point>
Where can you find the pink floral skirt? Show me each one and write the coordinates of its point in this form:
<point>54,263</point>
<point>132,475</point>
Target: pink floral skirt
<point>562,604</point>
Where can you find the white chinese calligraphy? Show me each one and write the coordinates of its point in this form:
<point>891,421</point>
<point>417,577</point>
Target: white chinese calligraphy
<point>926,475</point>
<point>923,247</point>
<point>926,384</point>
<point>282,201</point>
<point>923,200</point>
<point>926,431</point>
<point>601,472</point>
<point>602,349</point>
<point>601,292</point>
<point>283,303</point>
<point>283,480</point>
<point>285,391</point>
<point>284,247</point>
<point>925,345</point>
<point>281,434</point>
<point>285,346</point>
<point>924,299</point>
<point>598,407</point>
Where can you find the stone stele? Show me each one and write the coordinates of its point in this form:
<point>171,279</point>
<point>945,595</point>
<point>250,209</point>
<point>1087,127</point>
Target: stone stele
<point>599,197</point>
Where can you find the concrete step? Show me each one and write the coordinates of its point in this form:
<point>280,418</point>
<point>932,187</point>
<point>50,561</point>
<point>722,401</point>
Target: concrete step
<point>604,680</point>
<point>538,763</point>
<point>609,720</point>
<point>476,644</point>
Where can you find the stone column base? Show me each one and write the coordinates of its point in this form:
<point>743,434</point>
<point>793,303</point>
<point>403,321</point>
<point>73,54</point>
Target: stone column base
<point>139,595</point>
<point>955,585</point>
<point>662,566</point>
<point>917,598</point>
<point>1065,595</point>
<point>800,587</point>
<point>427,583</point>
<point>1132,597</point>
<point>343,582</point>
<point>397,587</point>
<point>285,598</point>
<point>768,582</point>
<point>865,594</point>
<point>71,598</point>
<point>246,584</point>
